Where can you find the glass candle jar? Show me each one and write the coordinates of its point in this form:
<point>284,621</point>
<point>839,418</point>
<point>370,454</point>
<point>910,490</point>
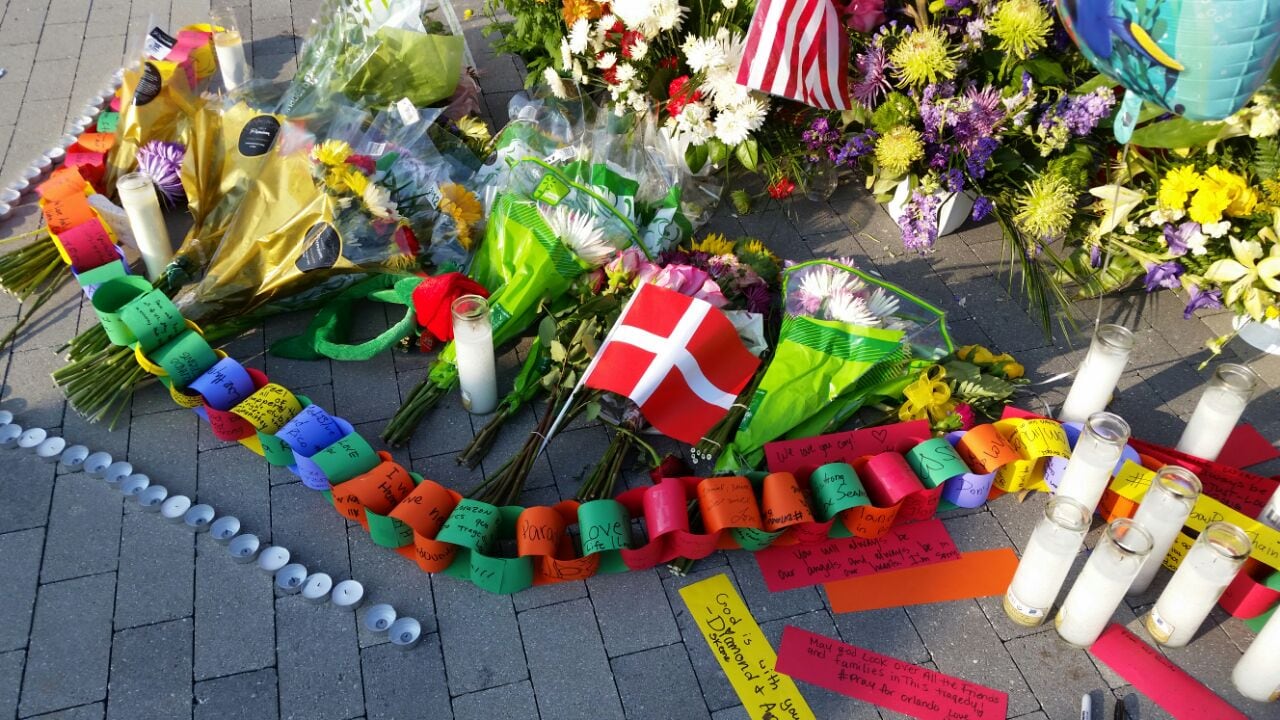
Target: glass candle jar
<point>473,341</point>
<point>1257,675</point>
<point>1219,409</point>
<point>1209,567</point>
<point>1164,510</point>
<point>1097,376</point>
<point>1046,561</point>
<point>1103,582</point>
<point>1093,459</point>
<point>142,205</point>
<point>1270,514</point>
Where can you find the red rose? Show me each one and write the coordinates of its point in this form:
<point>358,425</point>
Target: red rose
<point>611,75</point>
<point>668,63</point>
<point>782,189</point>
<point>681,95</point>
<point>364,162</point>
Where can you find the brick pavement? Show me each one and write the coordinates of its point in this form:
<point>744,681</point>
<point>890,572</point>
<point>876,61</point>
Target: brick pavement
<point>108,611</point>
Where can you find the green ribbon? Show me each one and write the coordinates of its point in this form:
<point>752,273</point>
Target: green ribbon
<point>326,335</point>
<point>605,531</point>
<point>347,458</point>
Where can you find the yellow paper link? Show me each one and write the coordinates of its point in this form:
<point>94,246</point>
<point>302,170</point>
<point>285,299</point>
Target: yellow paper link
<point>145,363</point>
<point>1133,481</point>
<point>1034,440</point>
<point>181,398</point>
<point>253,443</point>
<point>269,408</point>
<point>744,653</point>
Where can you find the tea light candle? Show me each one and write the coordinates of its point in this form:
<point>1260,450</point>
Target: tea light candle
<point>1102,584</point>
<point>151,497</point>
<point>4,209</point>
<point>244,548</point>
<point>1209,567</point>
<point>55,154</point>
<point>19,185</point>
<point>51,449</point>
<point>10,196</point>
<point>405,633</point>
<point>9,435</point>
<point>142,205</point>
<point>1257,674</point>
<point>1046,561</point>
<point>133,485</point>
<point>175,508</point>
<point>379,617</point>
<point>32,438</point>
<point>316,588</point>
<point>73,458</point>
<point>117,472</point>
<point>224,529</point>
<point>31,172</point>
<point>6,417</point>
<point>473,342</point>
<point>199,518</point>
<point>229,48</point>
<point>1164,510</point>
<point>43,162</point>
<point>347,595</point>
<point>272,559</point>
<point>1097,376</point>
<point>96,464</point>
<point>1094,458</point>
<point>1221,405</point>
<point>289,578</point>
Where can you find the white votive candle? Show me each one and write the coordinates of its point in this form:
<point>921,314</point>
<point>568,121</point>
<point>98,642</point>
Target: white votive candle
<point>1103,582</point>
<point>1257,675</point>
<point>142,205</point>
<point>1223,401</point>
<point>1164,510</point>
<point>1209,567</point>
<point>1046,561</point>
<point>229,48</point>
<point>473,342</point>
<point>1093,459</point>
<point>1097,376</point>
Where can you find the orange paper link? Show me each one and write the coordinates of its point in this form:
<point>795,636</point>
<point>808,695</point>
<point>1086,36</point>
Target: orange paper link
<point>784,502</point>
<point>63,182</point>
<point>95,143</point>
<point>425,511</point>
<point>70,211</point>
<point>379,490</point>
<point>974,575</point>
<point>539,531</point>
<point>728,502</point>
<point>985,450</point>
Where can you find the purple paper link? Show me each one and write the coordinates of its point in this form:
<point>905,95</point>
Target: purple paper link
<point>969,490</point>
<point>313,430</point>
<point>1054,467</point>
<point>224,385</point>
<point>89,290</point>
<point>201,413</point>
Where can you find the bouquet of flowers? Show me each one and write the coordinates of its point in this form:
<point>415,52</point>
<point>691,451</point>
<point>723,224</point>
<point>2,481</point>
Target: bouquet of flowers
<point>967,386</point>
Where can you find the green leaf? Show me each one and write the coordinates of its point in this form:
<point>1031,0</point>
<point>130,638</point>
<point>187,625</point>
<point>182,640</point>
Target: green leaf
<point>1097,81</point>
<point>547,331</point>
<point>558,353</point>
<point>717,152</point>
<point>695,156</point>
<point>748,153</point>
<point>1178,132</point>
<point>1045,71</point>
<point>593,411</point>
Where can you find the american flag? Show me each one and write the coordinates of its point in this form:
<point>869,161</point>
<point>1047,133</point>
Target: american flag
<point>798,49</point>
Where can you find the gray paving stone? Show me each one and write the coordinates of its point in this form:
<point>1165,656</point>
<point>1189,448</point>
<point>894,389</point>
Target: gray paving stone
<point>98,437</point>
<point>715,687</point>
<point>107,19</point>
<point>151,672</point>
<point>362,390</point>
<point>1059,674</point>
<point>84,528</point>
<point>246,696</point>
<point>234,481</point>
<point>292,373</point>
<point>168,442</point>
<point>582,689</point>
<point>479,634</point>
<point>542,595</point>
<point>32,396</point>
<point>70,645</point>
<point>11,664</point>
<point>92,711</point>
<point>305,523</point>
<point>401,684</point>
<point>514,701</point>
<point>888,631</point>
<point>573,454</point>
<point>1210,658</point>
<point>60,40</point>
<point>737,712</point>
<point>823,702</point>
<point>766,605</point>
<point>311,690</point>
<point>659,683</point>
<point>632,611</point>
<point>444,430</point>
<point>235,619</point>
<point>157,571</point>
<point>390,578</point>
<point>19,574</point>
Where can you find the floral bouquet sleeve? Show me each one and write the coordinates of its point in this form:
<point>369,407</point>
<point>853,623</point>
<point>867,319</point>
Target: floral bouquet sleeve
<point>843,333</point>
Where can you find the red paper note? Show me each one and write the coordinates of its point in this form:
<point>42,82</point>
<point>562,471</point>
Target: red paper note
<point>793,566</point>
<point>883,680</point>
<point>1156,677</point>
<point>976,574</point>
<point>1246,446</point>
<point>806,454</point>
<point>1236,488</point>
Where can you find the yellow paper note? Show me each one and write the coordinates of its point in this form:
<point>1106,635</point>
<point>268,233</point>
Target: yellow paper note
<point>1181,545</point>
<point>743,651</point>
<point>1034,440</point>
<point>269,408</point>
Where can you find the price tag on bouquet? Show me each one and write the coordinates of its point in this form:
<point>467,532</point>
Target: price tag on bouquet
<point>407,112</point>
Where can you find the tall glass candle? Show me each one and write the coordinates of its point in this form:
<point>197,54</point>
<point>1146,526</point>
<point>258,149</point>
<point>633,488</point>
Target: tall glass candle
<point>1257,675</point>
<point>1046,561</point>
<point>1103,582</point>
<point>142,205</point>
<point>1209,567</point>
<point>473,341</point>
<point>1218,411</point>
<point>1097,376</point>
<point>229,48</point>
<point>1093,459</point>
<point>1271,511</point>
<point>1164,510</point>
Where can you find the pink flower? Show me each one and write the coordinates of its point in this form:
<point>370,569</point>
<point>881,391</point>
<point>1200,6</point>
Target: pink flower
<point>966,415</point>
<point>864,15</point>
<point>686,280</point>
<point>622,270</point>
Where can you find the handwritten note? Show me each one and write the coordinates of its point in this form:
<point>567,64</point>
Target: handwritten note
<point>808,453</point>
<point>904,546</point>
<point>1156,677</point>
<point>743,651</point>
<point>885,681</point>
<point>1237,488</point>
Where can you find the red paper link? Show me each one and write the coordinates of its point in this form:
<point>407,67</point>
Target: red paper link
<point>803,456</point>
<point>88,245</point>
<point>885,681</point>
<point>922,543</point>
<point>1153,674</point>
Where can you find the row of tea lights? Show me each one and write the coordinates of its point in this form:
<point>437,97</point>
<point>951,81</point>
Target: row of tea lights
<point>290,577</point>
<point>1130,552</point>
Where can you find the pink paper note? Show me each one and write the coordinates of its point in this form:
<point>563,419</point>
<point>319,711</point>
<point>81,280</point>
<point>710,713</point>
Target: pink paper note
<point>808,453</point>
<point>793,566</point>
<point>1159,679</point>
<point>883,680</point>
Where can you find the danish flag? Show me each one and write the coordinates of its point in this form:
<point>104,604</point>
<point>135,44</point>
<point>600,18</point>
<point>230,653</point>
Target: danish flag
<point>676,357</point>
<point>798,49</point>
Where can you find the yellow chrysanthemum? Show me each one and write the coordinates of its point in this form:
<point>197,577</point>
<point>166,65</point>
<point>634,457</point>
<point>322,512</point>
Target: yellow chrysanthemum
<point>1022,26</point>
<point>474,128</point>
<point>1045,208</point>
<point>923,57</point>
<point>713,244</point>
<point>1177,184</point>
<point>357,183</point>
<point>897,149</point>
<point>464,207</point>
<point>1272,189</point>
<point>1243,197</point>
<point>336,179</point>
<point>331,153</point>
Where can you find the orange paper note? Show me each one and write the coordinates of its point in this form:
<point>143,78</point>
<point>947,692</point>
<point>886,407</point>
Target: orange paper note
<point>974,575</point>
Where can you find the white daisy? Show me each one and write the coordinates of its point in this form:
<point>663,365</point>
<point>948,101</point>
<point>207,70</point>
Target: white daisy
<point>702,53</point>
<point>668,14</point>
<point>731,128</point>
<point>626,73</point>
<point>729,4</point>
<point>639,49</point>
<point>607,61</point>
<point>634,13</point>
<point>556,83</point>
<point>883,303</point>
<point>754,110</point>
<point>566,54</point>
<point>821,281</point>
<point>580,233</point>
<point>378,201</point>
<point>849,307</point>
<point>579,34</point>
<point>579,76</point>
<point>721,86</point>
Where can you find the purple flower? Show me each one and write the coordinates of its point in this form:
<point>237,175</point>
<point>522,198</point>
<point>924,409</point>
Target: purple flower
<point>919,221</point>
<point>757,297</point>
<point>1211,299</point>
<point>953,180</point>
<point>819,135</point>
<point>976,161</point>
<point>873,81</point>
<point>1178,237</point>
<point>1164,275</point>
<point>162,162</point>
<point>977,121</point>
<point>1095,256</point>
<point>982,207</point>
<point>856,147</point>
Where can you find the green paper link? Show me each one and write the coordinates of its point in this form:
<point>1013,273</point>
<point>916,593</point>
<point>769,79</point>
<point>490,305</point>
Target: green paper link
<point>605,527</point>
<point>836,488</point>
<point>387,531</point>
<point>347,458</point>
<point>499,575</point>
<point>108,120</point>
<point>185,358</point>
<point>753,539</point>
<point>107,302</point>
<point>153,319</point>
<point>935,462</point>
<point>101,274</point>
<point>471,526</point>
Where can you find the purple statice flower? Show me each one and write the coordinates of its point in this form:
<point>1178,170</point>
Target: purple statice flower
<point>982,207</point>
<point>1177,238</point>
<point>933,104</point>
<point>872,69</point>
<point>958,4</point>
<point>162,162</point>
<point>1163,275</point>
<point>757,297</point>
<point>1211,299</point>
<point>919,221</point>
<point>856,147</point>
<point>976,161</point>
<point>982,112</point>
<point>939,156</point>
<point>1076,114</point>
<point>819,135</point>
<point>1095,257</point>
<point>953,180</point>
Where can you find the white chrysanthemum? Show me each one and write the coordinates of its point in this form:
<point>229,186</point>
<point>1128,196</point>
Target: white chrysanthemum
<point>883,303</point>
<point>668,14</point>
<point>579,75</point>
<point>639,103</point>
<point>729,4</point>
<point>721,86</point>
<point>566,54</point>
<point>626,73</point>
<point>600,35</point>
<point>702,54</point>
<point>821,281</point>
<point>556,83</point>
<point>639,49</point>
<point>694,123</point>
<point>580,233</point>
<point>634,13</point>
<point>731,127</point>
<point>579,35</point>
<point>846,306</point>
<point>754,110</point>
<point>607,61</point>
<point>377,199</point>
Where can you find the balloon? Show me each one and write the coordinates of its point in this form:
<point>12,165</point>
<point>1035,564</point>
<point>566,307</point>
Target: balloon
<point>1202,59</point>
